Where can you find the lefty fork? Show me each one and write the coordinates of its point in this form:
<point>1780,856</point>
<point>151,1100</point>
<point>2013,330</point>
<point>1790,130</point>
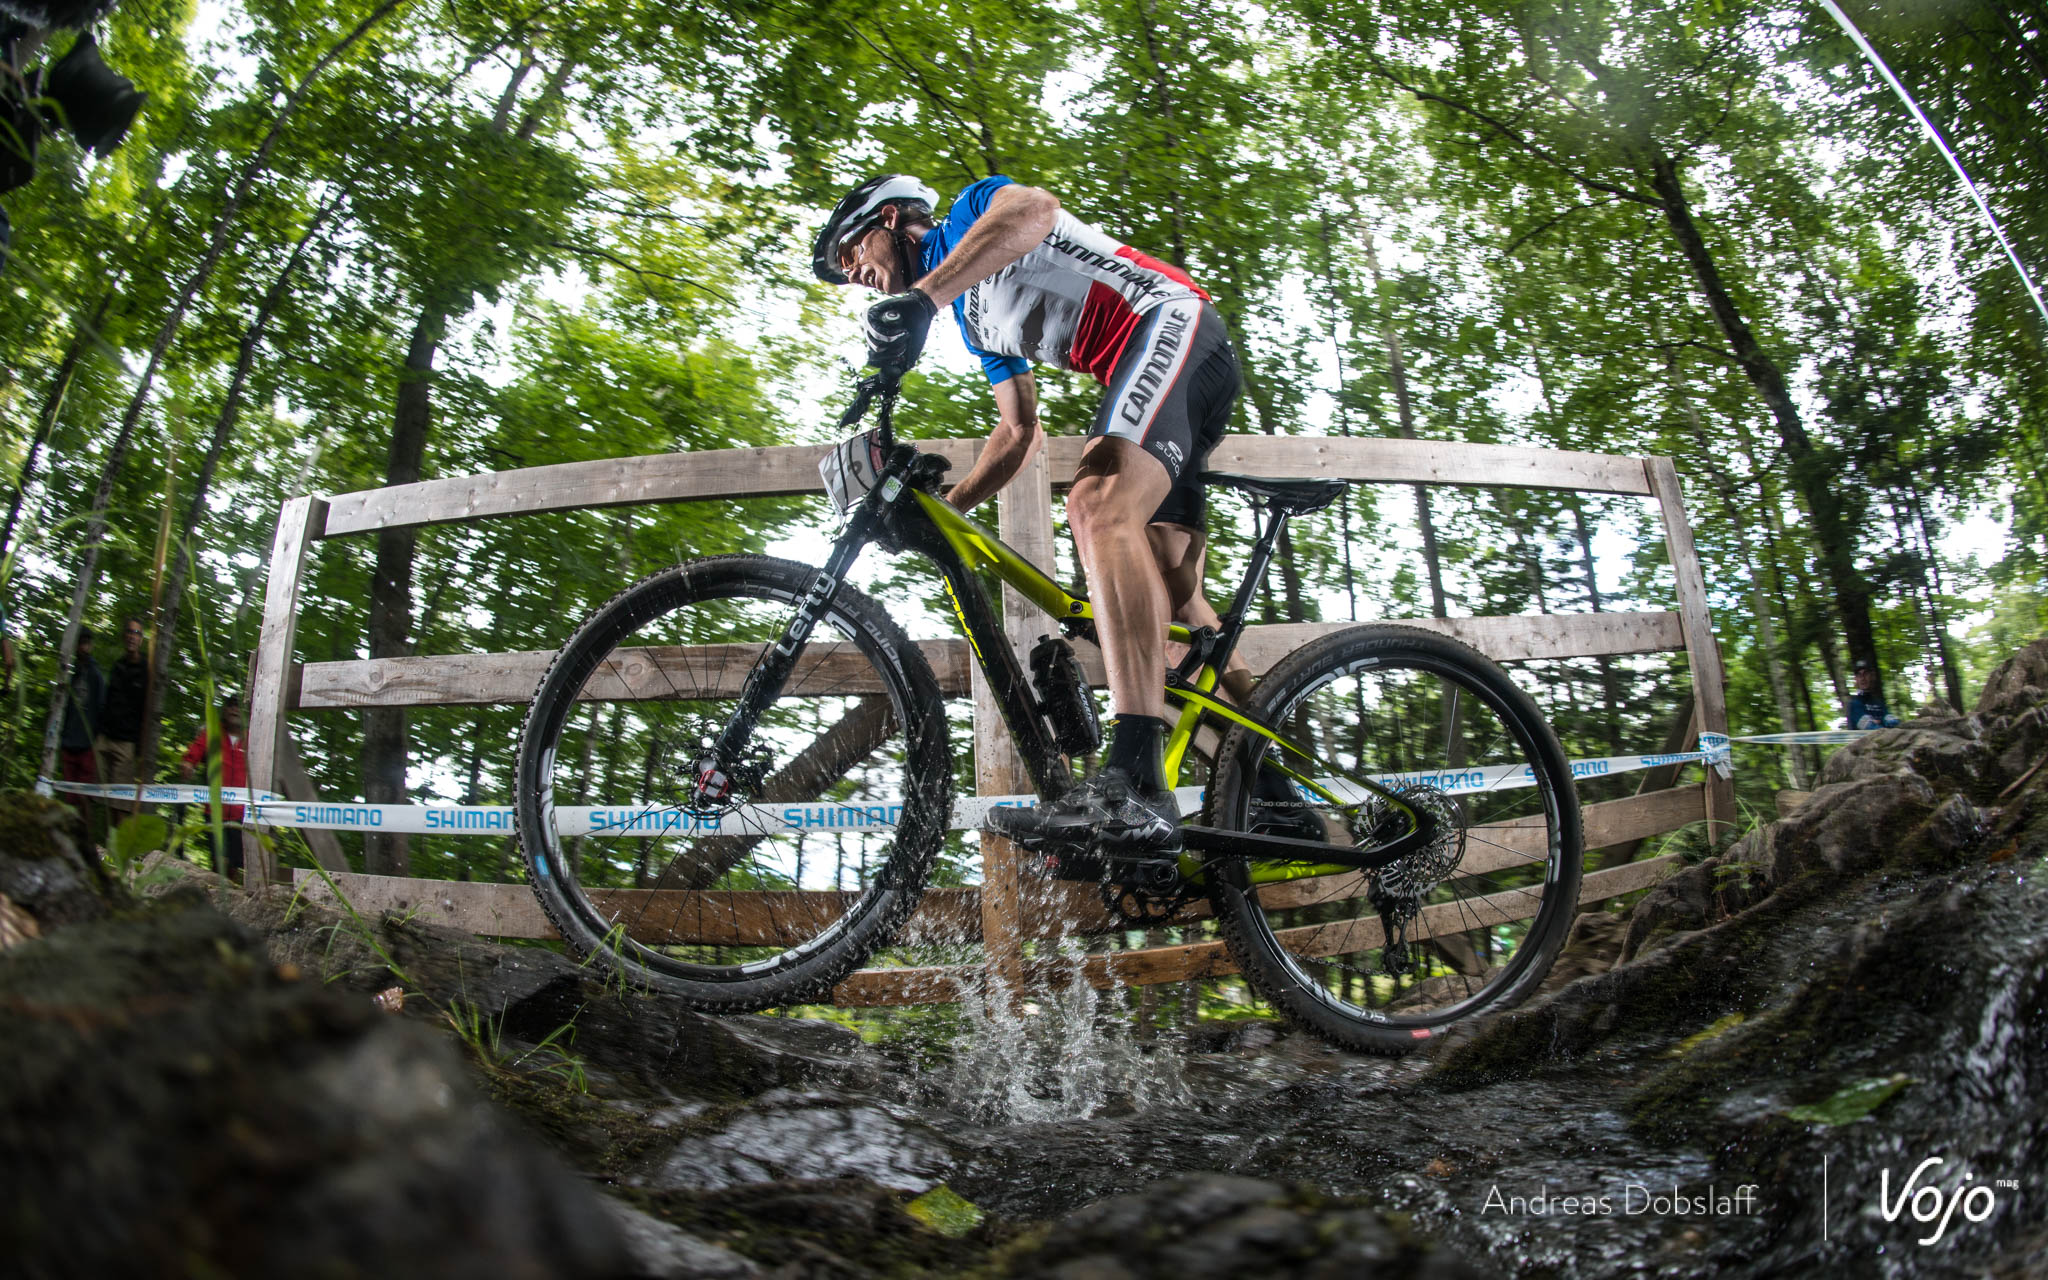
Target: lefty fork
<point>718,770</point>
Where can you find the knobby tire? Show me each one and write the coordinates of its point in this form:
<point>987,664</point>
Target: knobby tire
<point>744,932</point>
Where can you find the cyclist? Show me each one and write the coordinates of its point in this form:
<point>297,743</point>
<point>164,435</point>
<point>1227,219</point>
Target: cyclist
<point>1028,281</point>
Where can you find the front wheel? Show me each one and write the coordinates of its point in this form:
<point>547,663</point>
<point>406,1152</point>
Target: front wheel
<point>840,793</point>
<point>1382,960</point>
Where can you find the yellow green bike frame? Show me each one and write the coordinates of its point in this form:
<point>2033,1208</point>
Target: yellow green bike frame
<point>963,549</point>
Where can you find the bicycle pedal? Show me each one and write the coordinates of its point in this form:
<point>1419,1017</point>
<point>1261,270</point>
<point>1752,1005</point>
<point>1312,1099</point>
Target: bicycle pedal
<point>1150,875</point>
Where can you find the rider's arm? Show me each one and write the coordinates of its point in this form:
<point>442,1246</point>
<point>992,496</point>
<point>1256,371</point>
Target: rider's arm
<point>1010,445</point>
<point>1017,218</point>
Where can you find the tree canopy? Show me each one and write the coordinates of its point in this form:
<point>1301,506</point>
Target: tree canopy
<point>356,242</point>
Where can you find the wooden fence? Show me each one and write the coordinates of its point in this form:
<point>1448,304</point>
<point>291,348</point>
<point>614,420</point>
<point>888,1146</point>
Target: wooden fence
<point>1002,912</point>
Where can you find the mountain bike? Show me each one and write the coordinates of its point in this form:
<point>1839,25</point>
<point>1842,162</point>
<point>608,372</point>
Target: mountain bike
<point>1418,860</point>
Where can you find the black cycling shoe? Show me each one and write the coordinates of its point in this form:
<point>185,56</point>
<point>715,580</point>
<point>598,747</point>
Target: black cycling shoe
<point>1106,815</point>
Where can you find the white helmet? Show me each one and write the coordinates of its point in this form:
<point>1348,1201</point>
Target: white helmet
<point>858,212</point>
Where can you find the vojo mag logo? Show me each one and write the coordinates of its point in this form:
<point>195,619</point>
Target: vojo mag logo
<point>1921,1199</point>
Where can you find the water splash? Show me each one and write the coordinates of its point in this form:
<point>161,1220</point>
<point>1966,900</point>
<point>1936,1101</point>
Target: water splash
<point>1070,1052</point>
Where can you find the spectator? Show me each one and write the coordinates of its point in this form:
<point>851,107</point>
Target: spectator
<point>83,696</point>
<point>234,772</point>
<point>1866,705</point>
<point>120,734</point>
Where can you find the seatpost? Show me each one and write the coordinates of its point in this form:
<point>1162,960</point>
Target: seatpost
<point>1255,572</point>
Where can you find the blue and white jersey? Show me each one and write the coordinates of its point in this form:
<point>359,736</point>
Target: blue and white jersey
<point>1072,302</point>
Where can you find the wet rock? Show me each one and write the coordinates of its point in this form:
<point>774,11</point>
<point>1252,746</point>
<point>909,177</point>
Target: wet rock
<point>1593,945</point>
<point>1213,1227</point>
<point>784,1135</point>
<point>662,1251</point>
<point>2014,711</point>
<point>174,1107</point>
<point>837,1229</point>
<point>1947,750</point>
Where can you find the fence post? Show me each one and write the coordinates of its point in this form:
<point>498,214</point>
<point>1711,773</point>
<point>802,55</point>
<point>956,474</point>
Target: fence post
<point>273,686</point>
<point>1702,651</point>
<point>1024,521</point>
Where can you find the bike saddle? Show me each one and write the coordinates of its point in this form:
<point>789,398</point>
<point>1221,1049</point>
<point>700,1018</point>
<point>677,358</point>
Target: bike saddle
<point>1295,497</point>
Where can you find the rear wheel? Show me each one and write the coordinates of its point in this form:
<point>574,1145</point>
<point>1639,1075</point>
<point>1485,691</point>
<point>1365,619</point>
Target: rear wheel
<point>1382,960</point>
<point>839,802</point>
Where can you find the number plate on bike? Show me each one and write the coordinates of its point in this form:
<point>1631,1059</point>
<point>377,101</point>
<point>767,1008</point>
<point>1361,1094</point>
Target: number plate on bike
<point>851,470</point>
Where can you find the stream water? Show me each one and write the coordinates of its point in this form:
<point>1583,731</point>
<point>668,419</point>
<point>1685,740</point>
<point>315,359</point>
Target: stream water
<point>1038,1110</point>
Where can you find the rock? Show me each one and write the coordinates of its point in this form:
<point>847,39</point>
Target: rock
<point>652,1047</point>
<point>661,1251</point>
<point>175,1108</point>
<point>2014,711</point>
<point>787,1135</point>
<point>1947,751</point>
<point>844,1229</point>
<point>1215,1226</point>
<point>43,870</point>
<point>1593,945</point>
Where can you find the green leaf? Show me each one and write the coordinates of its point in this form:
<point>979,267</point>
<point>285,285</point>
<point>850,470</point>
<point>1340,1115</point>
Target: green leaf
<point>141,835</point>
<point>945,1212</point>
<point>1852,1103</point>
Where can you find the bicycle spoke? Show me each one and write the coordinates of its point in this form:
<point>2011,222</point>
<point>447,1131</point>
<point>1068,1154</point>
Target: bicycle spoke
<point>1460,917</point>
<point>724,885</point>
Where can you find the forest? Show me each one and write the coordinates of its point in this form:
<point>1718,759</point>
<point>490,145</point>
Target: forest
<point>353,243</point>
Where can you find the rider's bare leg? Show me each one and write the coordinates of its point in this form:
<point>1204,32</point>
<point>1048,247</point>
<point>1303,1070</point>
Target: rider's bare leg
<point>1125,808</point>
<point>1117,489</point>
<point>1181,553</point>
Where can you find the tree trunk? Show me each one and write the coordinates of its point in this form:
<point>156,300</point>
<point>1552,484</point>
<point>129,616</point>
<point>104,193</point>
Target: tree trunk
<point>384,728</point>
<point>117,452</point>
<point>1404,417</point>
<point>1610,694</point>
<point>1760,605</point>
<point>1836,543</point>
<point>53,405</point>
<point>224,423</point>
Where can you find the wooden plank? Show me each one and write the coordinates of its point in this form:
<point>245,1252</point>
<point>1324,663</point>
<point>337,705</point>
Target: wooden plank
<point>484,679</point>
<point>1505,639</point>
<point>946,915</point>
<point>487,909</point>
<point>1051,909</point>
<point>934,984</point>
<point>1212,960</point>
<point>791,469</point>
<point>1389,461</point>
<point>1702,650</point>
<point>271,693</point>
<point>607,482</point>
<point>1503,844</point>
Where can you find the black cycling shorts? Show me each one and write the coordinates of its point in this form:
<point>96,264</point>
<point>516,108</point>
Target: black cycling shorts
<point>1171,393</point>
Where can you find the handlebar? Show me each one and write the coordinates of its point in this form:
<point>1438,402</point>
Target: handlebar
<point>884,386</point>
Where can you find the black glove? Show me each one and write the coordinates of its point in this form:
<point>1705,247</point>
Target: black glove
<point>896,328</point>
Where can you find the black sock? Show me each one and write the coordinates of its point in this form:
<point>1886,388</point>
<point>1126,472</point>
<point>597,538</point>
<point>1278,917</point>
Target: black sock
<point>1136,746</point>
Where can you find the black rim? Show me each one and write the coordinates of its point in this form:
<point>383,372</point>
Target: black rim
<point>668,597</point>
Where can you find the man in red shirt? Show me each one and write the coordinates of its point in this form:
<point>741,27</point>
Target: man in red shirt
<point>234,772</point>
